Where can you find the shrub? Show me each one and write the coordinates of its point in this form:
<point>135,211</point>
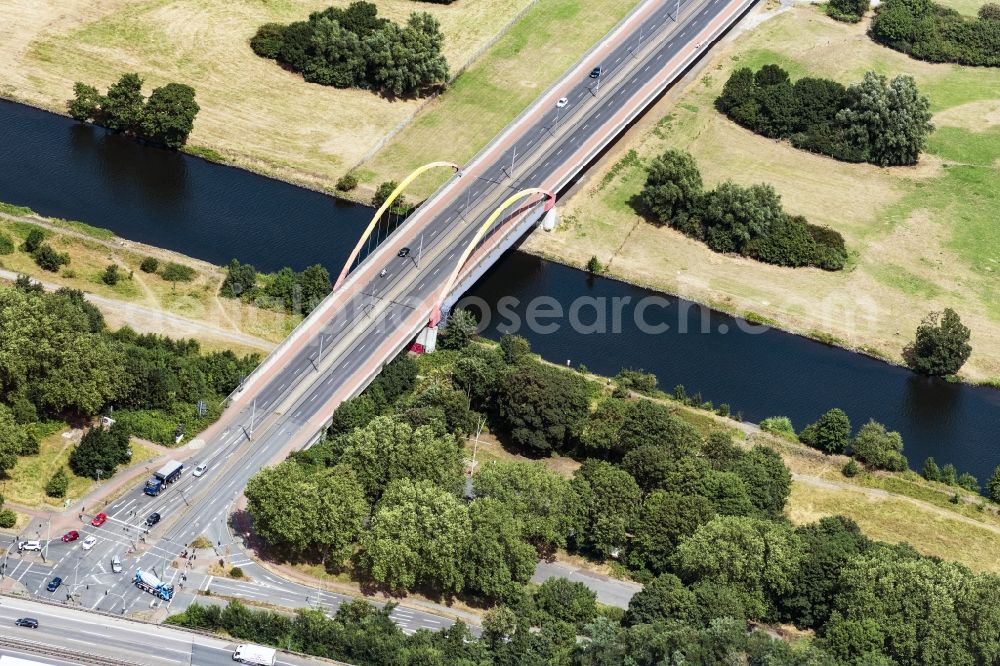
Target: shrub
<point>7,518</point>
<point>830,434</point>
<point>778,425</point>
<point>267,42</point>
<point>594,266</point>
<point>58,484</point>
<point>6,244</point>
<point>174,272</point>
<point>48,259</point>
<point>851,469</point>
<point>347,182</point>
<point>149,265</point>
<point>637,380</point>
<point>236,572</point>
<point>111,276</point>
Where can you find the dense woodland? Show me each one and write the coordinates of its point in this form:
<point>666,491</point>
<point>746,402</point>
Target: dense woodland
<point>695,516</point>
<point>354,48</point>
<point>166,118</point>
<point>926,30</point>
<point>875,120</point>
<point>749,221</point>
<point>59,362</point>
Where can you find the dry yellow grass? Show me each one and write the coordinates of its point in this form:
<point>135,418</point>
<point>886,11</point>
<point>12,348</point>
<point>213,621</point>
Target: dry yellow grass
<point>895,520</point>
<point>921,238</point>
<point>25,484</point>
<point>254,113</point>
<point>197,301</point>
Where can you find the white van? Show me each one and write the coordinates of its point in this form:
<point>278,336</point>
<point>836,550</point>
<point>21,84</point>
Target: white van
<point>29,545</point>
<point>255,654</point>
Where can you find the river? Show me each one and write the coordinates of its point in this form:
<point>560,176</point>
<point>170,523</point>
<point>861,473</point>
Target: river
<point>212,212</point>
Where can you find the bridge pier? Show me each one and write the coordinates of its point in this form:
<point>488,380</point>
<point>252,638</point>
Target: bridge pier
<point>426,340</point>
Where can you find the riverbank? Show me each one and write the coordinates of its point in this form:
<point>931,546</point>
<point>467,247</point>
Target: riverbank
<point>920,237</point>
<point>144,301</point>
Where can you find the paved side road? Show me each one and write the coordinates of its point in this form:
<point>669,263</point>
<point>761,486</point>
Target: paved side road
<point>68,632</point>
<point>610,591</point>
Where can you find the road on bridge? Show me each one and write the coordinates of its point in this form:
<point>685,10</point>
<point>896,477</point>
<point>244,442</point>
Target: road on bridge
<point>335,352</point>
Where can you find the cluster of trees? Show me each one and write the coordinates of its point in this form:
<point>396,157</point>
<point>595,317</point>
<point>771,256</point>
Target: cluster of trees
<point>873,445</point>
<point>941,346</point>
<point>166,118</point>
<point>44,254</point>
<point>948,475</point>
<point>354,48</point>
<point>849,11</point>
<point>733,218</point>
<point>59,361</point>
<point>285,290</point>
<point>875,120</point>
<point>929,31</point>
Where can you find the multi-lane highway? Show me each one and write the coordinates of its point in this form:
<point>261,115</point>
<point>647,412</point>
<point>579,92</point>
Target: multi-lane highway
<point>383,303</point>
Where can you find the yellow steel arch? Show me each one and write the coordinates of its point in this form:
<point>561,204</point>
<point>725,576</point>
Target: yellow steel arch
<point>436,314</point>
<point>381,211</point>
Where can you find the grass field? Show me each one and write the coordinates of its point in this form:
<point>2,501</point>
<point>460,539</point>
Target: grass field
<point>91,250</point>
<point>253,113</point>
<point>550,37</point>
<point>895,520</point>
<point>921,238</point>
<point>26,482</point>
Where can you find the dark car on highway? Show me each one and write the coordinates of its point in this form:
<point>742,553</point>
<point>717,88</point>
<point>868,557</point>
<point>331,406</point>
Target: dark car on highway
<point>594,73</point>
<point>153,519</point>
<point>54,584</point>
<point>29,622</point>
<point>405,252</point>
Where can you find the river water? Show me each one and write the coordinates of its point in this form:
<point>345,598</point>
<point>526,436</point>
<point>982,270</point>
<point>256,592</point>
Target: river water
<point>64,169</point>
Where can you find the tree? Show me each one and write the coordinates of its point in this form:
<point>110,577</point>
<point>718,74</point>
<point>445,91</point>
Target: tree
<point>969,482</point>
<point>498,560</point>
<point>848,10</point>
<point>58,484</point>
<point>758,557</point>
<point>567,601</point>
<point>610,500</point>
<point>123,107</point>
<point>993,485</point>
<point>314,284</point>
<point>418,536</point>
<point>352,413</point>
<point>86,103</point>
<point>387,449</point>
<point>931,471</point>
<point>767,479</point>
<point>829,545</point>
<point>458,331</point>
<point>949,475</point>
<point>297,511</point>
<point>541,407</point>
<point>893,118</point>
<point>111,276</point>
<point>240,280</point>
<point>149,265</point>
<point>594,266</point>
<point>397,377</point>
<point>673,187</point>
<point>664,598</point>
<point>649,423</point>
<point>100,451</point>
<point>169,115</point>
<point>941,346</point>
<point>33,240</point>
<point>990,11</point>
<point>878,448</point>
<point>514,348</point>
<point>831,434</point>
<point>382,193</point>
<point>733,215</point>
<point>174,272</point>
<point>540,497</point>
<point>664,520</point>
<point>48,259</point>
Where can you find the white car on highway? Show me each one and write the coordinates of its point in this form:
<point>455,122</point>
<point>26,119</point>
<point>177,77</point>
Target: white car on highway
<point>89,542</point>
<point>199,470</point>
<point>29,545</point>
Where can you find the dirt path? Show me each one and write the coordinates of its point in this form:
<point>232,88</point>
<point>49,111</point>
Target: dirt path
<point>152,320</point>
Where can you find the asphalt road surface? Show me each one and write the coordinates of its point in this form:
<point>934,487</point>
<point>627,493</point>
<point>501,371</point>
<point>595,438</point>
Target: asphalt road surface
<point>375,315</point>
